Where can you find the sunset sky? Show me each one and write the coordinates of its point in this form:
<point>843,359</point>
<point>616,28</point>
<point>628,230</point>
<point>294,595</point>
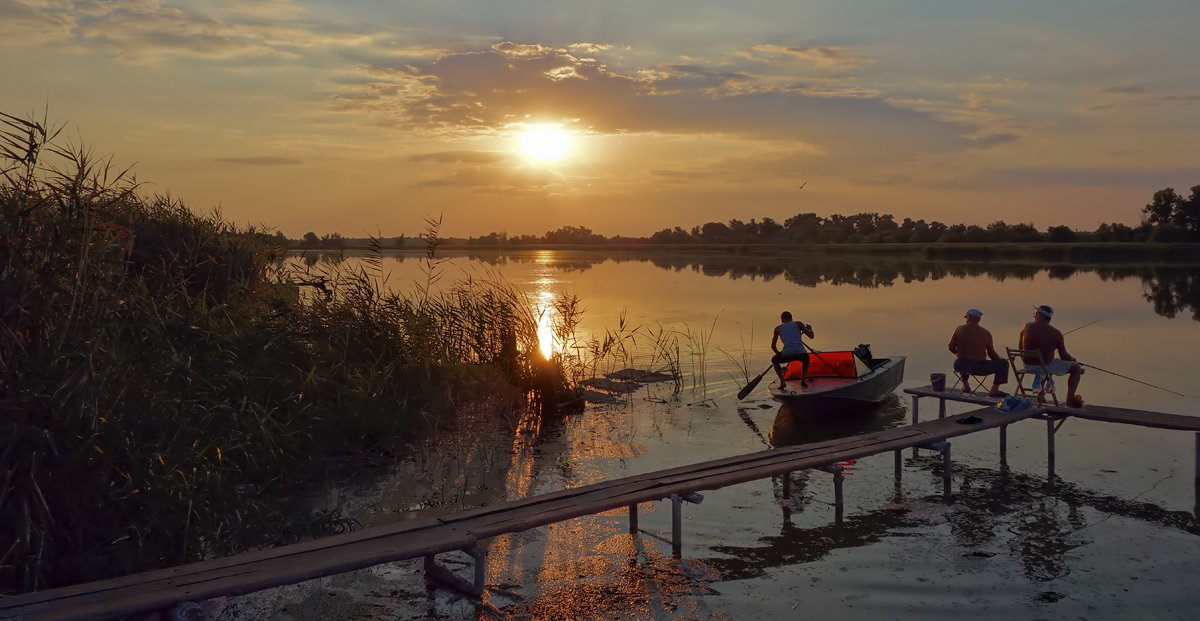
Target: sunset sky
<point>365,117</point>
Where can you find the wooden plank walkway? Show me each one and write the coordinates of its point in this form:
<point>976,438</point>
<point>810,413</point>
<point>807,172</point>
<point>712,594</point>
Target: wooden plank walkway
<point>245,573</point>
<point>1104,413</point>
<point>1060,413</point>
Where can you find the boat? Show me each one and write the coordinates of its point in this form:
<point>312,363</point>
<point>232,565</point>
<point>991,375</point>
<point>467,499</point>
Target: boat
<point>840,379</point>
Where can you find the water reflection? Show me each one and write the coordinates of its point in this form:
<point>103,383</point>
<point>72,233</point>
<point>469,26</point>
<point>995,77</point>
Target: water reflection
<point>994,512</point>
<point>1171,289</point>
<point>791,428</point>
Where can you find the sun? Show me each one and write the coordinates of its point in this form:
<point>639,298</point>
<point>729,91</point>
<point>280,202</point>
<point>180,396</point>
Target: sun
<point>545,144</point>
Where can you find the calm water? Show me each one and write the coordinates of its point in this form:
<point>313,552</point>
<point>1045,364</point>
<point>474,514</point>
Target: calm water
<point>1113,539</point>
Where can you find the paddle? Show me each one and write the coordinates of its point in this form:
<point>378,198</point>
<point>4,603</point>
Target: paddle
<point>753,383</point>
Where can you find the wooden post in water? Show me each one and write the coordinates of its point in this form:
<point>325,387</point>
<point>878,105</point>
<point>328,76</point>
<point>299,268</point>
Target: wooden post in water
<point>947,470</point>
<point>1197,508</point>
<point>899,465</point>
<point>941,408</point>
<point>787,485</point>
<point>915,418</point>
<point>633,518</point>
<point>1003,446</point>
<point>838,477</point>
<point>676,525</point>
<point>1050,449</point>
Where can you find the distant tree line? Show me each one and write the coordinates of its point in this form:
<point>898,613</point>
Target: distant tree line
<point>1169,217</point>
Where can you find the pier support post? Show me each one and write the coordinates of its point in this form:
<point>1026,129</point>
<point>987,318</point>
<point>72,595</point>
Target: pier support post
<point>1050,448</point>
<point>838,499</point>
<point>915,417</point>
<point>633,518</point>
<point>1197,486</point>
<point>787,485</point>
<point>676,525</point>
<point>899,465</point>
<point>943,447</point>
<point>437,572</point>
<point>677,519</point>
<point>947,471</point>
<point>1003,446</point>
<point>941,408</point>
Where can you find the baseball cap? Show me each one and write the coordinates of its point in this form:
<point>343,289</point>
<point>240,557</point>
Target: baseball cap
<point>1045,310</point>
<point>974,312</point>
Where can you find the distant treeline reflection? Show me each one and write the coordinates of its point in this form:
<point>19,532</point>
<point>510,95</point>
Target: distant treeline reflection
<point>1171,289</point>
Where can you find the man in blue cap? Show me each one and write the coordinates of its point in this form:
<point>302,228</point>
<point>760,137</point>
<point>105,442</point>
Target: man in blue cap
<point>974,354</point>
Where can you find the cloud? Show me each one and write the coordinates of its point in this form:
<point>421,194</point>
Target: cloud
<point>147,32</point>
<point>1131,89</point>
<point>462,157</point>
<point>826,57</point>
<point>261,160</point>
<point>25,23</point>
<point>510,84</point>
<point>1051,176</point>
<point>497,180</point>
<point>1136,97</point>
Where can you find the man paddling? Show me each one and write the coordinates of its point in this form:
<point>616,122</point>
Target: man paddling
<point>1040,335</point>
<point>974,354</point>
<point>791,333</point>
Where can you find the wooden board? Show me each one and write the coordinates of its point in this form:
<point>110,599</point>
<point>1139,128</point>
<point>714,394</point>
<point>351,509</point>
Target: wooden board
<point>101,602</point>
<point>1105,413</point>
<point>1141,418</point>
<point>253,571</point>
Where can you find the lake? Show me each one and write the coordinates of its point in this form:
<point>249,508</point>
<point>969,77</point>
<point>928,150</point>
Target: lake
<point>1113,538</point>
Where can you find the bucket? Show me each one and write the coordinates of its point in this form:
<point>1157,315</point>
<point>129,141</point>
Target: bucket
<point>937,381</point>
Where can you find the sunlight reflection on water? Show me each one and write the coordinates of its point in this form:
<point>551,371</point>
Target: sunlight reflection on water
<point>1112,539</point>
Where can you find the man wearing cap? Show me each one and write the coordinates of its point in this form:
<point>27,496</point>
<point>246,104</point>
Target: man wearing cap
<point>1040,335</point>
<point>974,354</point>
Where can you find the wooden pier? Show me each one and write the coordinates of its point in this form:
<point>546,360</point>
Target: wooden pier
<point>163,590</point>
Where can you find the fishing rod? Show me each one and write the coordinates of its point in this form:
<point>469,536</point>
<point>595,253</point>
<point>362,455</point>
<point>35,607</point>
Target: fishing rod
<point>1132,379</point>
<point>1081,327</point>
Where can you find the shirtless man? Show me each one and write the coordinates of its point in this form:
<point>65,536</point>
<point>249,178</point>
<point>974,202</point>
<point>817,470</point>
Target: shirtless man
<point>1040,335</point>
<point>790,332</point>
<point>974,354</point>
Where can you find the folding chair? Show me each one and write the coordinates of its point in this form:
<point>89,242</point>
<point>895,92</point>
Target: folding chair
<point>1042,381</point>
<point>974,383</point>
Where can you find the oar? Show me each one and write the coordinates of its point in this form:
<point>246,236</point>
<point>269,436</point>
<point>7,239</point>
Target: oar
<point>1131,379</point>
<point>754,382</point>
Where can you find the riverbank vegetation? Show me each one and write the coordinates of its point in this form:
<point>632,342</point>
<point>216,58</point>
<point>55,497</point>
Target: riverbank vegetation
<point>168,380</point>
<point>1169,218</point>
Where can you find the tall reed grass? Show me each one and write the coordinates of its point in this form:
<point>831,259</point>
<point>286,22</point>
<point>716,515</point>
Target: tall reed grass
<point>167,381</point>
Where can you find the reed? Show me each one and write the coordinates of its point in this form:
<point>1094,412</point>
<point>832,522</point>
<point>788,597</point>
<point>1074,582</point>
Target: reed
<point>169,381</point>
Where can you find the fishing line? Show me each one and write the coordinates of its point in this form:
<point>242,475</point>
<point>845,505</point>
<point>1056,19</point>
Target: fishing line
<point>1133,380</point>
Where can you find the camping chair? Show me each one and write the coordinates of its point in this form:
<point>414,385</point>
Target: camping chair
<point>975,383</point>
<point>1042,381</point>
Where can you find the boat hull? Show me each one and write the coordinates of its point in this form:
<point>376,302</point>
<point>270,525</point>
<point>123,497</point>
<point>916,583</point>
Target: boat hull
<point>824,393</point>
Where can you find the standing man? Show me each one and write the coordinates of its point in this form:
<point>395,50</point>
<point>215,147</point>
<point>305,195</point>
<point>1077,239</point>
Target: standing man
<point>974,354</point>
<point>1040,335</point>
<point>791,333</point>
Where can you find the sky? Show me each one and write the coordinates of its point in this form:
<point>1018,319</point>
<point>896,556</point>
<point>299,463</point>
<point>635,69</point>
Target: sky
<point>369,117</point>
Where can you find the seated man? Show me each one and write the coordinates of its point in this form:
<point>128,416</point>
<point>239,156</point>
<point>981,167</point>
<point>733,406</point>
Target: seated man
<point>974,354</point>
<point>1040,335</point>
<point>791,333</point>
